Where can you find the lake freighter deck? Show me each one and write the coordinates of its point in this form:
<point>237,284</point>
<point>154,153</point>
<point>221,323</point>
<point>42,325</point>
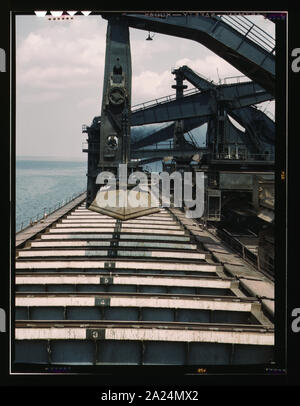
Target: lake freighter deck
<point>156,290</point>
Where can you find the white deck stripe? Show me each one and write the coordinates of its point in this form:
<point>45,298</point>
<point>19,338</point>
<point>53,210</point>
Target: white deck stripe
<point>122,280</point>
<point>179,303</point>
<point>153,302</point>
<point>139,244</point>
<point>162,254</point>
<point>111,230</point>
<point>101,216</point>
<point>124,225</point>
<point>149,334</point>
<point>90,216</point>
<point>164,266</point>
<point>153,225</point>
<point>135,244</point>
<point>88,220</point>
<point>45,244</point>
<point>50,333</point>
<point>79,208</point>
<point>48,236</point>
<point>57,280</point>
<point>100,221</point>
<point>174,282</point>
<point>102,253</point>
<point>82,230</point>
<point>62,253</point>
<point>161,211</point>
<point>161,266</point>
<point>250,338</point>
<point>140,219</point>
<point>55,301</point>
<point>123,236</point>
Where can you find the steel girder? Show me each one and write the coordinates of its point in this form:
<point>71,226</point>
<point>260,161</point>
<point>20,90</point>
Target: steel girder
<point>237,48</point>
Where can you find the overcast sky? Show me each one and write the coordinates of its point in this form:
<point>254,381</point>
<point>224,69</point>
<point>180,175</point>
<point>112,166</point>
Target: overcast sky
<point>59,75</point>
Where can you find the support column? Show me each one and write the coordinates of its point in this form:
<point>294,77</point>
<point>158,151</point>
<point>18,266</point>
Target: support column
<point>179,127</point>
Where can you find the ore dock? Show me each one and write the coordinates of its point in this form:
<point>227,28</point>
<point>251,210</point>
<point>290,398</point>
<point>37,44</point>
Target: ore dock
<point>159,288</point>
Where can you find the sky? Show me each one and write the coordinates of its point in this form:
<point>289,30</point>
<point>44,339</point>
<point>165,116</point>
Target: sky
<point>59,77</point>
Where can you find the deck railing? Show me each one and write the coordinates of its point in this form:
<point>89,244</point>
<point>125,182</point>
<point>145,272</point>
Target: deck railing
<point>47,211</point>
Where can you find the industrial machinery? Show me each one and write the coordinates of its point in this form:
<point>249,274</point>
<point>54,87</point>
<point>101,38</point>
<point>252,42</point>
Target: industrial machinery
<point>226,146</point>
<point>114,146</point>
<point>231,159</point>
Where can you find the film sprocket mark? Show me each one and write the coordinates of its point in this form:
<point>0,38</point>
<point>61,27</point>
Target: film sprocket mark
<point>2,321</point>
<point>2,60</point>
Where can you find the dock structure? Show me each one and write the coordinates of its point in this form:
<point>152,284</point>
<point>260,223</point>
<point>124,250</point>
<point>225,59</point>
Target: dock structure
<point>162,289</point>
<point>156,290</point>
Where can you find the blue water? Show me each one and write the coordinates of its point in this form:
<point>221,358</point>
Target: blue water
<point>43,183</point>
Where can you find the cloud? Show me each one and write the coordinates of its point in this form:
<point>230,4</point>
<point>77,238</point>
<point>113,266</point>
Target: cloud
<point>150,85</point>
<point>55,77</point>
<point>60,57</point>
<point>214,68</point>
<point>146,54</point>
<point>39,97</point>
<point>211,67</point>
<point>70,55</point>
<point>87,102</point>
<point>59,73</point>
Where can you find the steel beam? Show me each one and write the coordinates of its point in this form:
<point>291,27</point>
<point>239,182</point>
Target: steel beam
<point>237,48</point>
<point>195,105</point>
<point>235,95</point>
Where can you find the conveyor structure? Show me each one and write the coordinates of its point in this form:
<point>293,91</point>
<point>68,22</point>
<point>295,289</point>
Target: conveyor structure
<point>235,39</point>
<point>237,100</point>
<point>201,107</point>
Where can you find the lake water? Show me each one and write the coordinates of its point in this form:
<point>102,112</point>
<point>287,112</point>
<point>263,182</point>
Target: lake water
<point>43,183</point>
